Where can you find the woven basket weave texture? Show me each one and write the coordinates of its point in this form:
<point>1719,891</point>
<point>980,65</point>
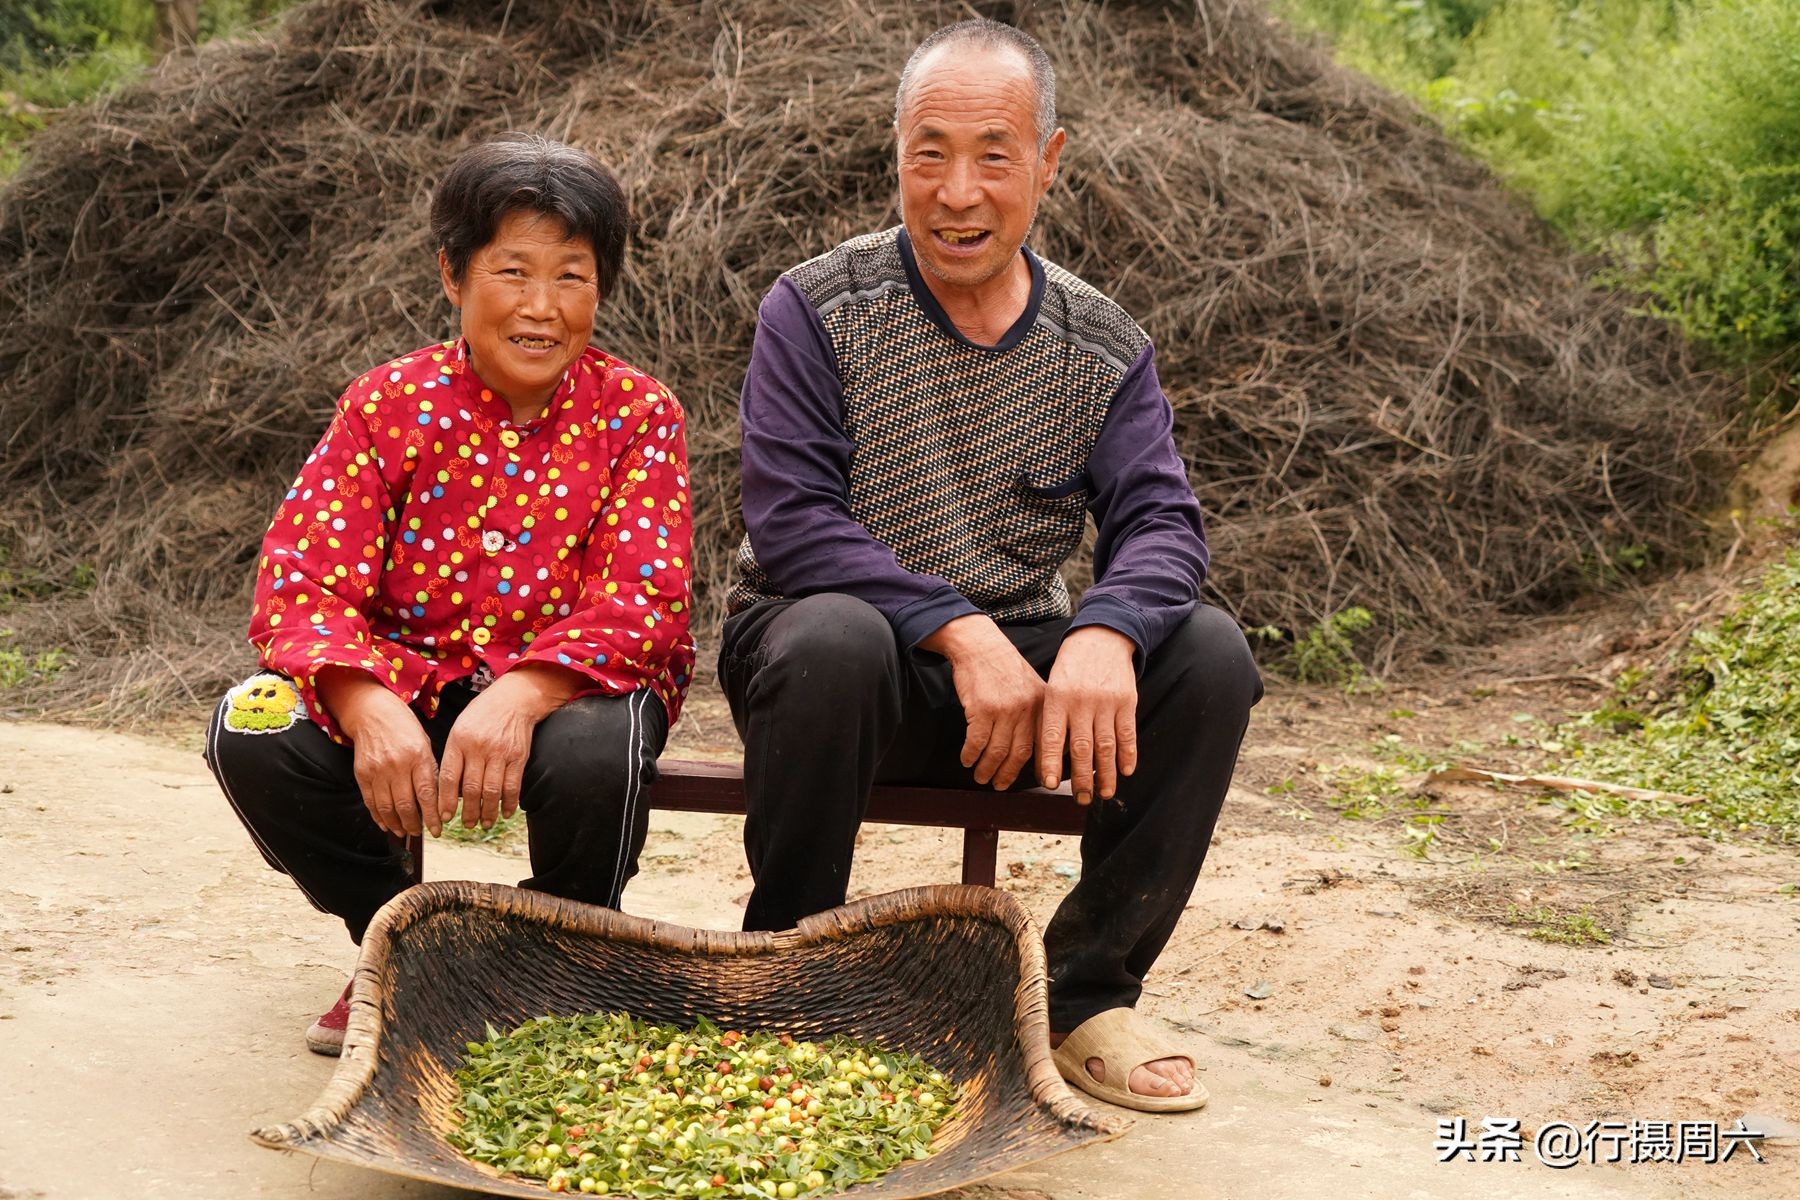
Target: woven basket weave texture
<point>953,974</point>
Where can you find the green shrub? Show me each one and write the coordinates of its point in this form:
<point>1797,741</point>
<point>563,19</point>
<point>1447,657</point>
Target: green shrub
<point>20,666</point>
<point>1665,133</point>
<point>1324,654</point>
<point>53,32</point>
<point>1419,39</point>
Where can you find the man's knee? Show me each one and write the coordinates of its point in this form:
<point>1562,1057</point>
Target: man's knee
<point>829,644</point>
<point>1211,658</point>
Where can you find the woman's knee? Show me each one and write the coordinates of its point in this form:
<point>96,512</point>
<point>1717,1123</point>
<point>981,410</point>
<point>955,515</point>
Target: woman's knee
<point>252,729</point>
<point>595,747</point>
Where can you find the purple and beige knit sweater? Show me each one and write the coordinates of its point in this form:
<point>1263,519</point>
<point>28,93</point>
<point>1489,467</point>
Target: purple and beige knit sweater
<point>888,457</point>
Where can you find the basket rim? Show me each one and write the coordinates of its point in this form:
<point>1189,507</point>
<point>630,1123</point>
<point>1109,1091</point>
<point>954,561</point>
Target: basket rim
<point>360,1060</point>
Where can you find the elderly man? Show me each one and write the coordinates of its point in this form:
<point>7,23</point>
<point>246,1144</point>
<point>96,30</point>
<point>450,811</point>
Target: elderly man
<point>930,415</point>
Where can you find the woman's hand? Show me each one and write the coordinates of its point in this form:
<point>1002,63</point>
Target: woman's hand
<point>395,768</point>
<point>484,758</point>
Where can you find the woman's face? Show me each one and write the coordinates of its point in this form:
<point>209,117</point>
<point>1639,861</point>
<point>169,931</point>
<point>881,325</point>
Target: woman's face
<point>528,300</point>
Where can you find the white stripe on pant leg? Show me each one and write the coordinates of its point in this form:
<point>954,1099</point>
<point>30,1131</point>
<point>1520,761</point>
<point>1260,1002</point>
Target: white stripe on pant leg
<point>633,776</point>
<point>212,735</point>
<point>625,807</point>
<point>618,884</point>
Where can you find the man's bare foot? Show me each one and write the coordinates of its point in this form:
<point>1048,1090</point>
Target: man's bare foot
<point>1163,1077</point>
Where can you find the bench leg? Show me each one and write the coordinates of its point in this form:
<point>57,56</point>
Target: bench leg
<point>981,851</point>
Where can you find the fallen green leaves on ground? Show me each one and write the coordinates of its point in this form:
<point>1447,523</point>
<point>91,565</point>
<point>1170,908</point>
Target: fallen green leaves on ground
<point>1543,924</point>
<point>1373,794</point>
<point>1733,735</point>
<point>604,1104</point>
<point>504,830</point>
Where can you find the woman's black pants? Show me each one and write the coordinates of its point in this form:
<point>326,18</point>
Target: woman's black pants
<point>585,793</point>
<point>828,706</point>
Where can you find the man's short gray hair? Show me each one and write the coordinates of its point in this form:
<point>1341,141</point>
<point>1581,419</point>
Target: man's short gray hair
<point>990,35</point>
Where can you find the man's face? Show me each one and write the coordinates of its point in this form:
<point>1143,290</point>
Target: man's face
<point>971,175</point>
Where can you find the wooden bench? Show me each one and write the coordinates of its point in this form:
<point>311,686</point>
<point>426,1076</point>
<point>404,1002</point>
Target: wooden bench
<point>981,813</point>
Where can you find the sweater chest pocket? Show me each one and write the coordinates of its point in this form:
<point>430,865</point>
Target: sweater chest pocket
<point>1044,514</point>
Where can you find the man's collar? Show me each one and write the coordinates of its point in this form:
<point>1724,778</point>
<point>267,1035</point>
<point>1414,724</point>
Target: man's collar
<point>922,293</point>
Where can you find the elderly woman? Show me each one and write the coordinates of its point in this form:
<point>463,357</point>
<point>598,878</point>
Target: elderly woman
<point>476,593</point>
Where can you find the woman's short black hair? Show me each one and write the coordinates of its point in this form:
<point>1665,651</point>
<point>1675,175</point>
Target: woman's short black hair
<point>525,172</point>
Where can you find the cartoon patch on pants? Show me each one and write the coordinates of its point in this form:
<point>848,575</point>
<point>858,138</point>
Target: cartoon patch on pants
<point>263,704</point>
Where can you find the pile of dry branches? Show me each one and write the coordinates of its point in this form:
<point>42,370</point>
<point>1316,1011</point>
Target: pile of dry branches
<point>1393,388</point>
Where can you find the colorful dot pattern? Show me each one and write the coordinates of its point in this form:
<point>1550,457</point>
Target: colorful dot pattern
<point>430,533</point>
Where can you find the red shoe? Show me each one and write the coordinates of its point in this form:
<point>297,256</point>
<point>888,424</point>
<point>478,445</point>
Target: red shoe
<point>326,1035</point>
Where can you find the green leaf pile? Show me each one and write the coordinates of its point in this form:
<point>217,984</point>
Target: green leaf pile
<point>604,1104</point>
<point>1733,737</point>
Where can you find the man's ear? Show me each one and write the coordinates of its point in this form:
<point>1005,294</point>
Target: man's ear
<point>1053,155</point>
<point>452,286</point>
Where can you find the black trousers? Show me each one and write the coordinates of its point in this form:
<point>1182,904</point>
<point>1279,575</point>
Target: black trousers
<point>828,706</point>
<point>585,792</point>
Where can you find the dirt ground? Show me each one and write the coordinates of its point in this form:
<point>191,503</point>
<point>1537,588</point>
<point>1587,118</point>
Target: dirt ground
<point>1345,984</point>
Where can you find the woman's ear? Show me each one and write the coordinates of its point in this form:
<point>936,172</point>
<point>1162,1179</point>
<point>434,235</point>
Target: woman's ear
<point>452,286</point>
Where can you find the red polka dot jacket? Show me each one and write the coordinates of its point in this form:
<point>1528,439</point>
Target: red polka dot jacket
<point>429,535</point>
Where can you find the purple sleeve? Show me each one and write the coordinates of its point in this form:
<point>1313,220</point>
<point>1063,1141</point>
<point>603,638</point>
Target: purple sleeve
<point>796,486</point>
<point>1150,556</point>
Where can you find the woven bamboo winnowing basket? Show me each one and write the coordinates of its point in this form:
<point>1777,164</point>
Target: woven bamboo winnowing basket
<point>953,974</point>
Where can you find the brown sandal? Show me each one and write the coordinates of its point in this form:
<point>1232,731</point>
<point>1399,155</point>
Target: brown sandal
<point>1122,1041</point>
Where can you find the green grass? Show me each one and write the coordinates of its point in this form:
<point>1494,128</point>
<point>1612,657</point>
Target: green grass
<point>1663,133</point>
<point>1732,737</point>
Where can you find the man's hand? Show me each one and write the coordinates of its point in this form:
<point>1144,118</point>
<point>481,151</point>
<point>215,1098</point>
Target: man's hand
<point>1000,695</point>
<point>484,757</point>
<point>395,769</point>
<point>1090,707</point>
